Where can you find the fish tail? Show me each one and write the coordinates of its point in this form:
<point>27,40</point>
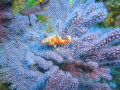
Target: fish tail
<point>69,37</point>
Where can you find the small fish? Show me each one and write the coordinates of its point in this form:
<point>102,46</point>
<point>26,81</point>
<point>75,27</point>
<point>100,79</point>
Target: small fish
<point>56,40</point>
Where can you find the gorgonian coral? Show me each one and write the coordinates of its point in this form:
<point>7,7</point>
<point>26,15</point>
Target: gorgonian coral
<point>28,64</point>
<point>5,16</point>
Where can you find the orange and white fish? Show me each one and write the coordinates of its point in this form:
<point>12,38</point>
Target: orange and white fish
<point>56,40</point>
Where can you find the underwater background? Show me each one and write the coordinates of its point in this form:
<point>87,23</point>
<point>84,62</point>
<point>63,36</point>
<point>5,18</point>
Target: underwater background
<point>59,44</point>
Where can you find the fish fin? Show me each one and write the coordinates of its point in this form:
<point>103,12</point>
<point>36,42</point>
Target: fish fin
<point>56,36</point>
<point>55,46</point>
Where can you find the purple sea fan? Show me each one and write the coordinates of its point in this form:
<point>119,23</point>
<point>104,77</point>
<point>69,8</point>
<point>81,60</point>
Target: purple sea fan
<point>94,57</point>
<point>40,66</point>
<point>17,71</point>
<point>75,19</point>
<point>89,70</point>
